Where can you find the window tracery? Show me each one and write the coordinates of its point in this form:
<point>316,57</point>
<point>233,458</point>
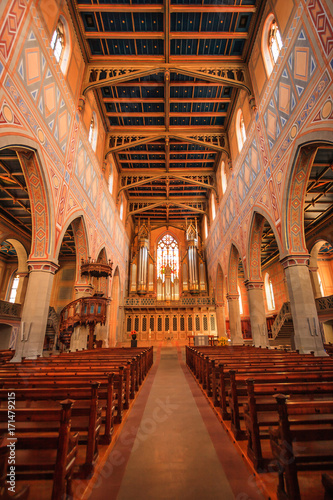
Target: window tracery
<point>167,257</point>
<point>58,41</point>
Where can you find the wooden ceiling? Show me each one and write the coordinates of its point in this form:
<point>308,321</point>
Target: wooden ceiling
<point>166,76</point>
<point>15,209</point>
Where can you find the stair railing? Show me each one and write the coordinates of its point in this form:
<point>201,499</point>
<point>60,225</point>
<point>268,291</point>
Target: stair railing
<point>284,314</point>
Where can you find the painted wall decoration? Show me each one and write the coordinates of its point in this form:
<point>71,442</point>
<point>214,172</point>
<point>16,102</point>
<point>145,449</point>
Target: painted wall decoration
<point>86,174</point>
<point>248,172</point>
<point>106,213</point>
<point>40,83</point>
<point>295,77</point>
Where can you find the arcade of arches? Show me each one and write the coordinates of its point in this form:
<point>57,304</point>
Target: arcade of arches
<point>181,153</point>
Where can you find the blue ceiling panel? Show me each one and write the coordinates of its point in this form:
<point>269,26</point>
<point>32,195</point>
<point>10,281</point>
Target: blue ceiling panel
<point>120,47</point>
<point>131,107</point>
<point>150,47</point>
<point>212,47</point>
<point>117,21</point>
<point>200,122</point>
<point>154,121</point>
<point>237,47</point>
<point>243,22</point>
<point>174,120</point>
<point>150,107</point>
<point>148,21</point>
<point>219,120</point>
<point>182,107</point>
<point>89,21</point>
<point>184,47</point>
<point>114,121</point>
<point>137,122</point>
<point>199,107</point>
<point>110,107</point>
<point>205,91</point>
<point>181,92</point>
<point>216,21</point>
<point>152,92</point>
<point>95,47</point>
<point>185,21</point>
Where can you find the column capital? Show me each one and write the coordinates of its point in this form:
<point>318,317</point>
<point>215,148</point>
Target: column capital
<point>231,296</point>
<point>253,285</point>
<point>219,304</point>
<point>313,269</point>
<point>295,260</point>
<point>47,266</point>
<point>81,103</point>
<point>22,274</point>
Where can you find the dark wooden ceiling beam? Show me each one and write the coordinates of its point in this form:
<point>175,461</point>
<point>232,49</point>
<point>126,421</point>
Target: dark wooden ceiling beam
<point>160,8</point>
<point>207,35</point>
<point>156,114</point>
<point>125,35</point>
<point>159,35</point>
<point>172,160</point>
<point>213,8</point>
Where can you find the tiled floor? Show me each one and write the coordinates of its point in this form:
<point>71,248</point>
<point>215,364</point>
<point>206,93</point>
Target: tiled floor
<point>172,446</point>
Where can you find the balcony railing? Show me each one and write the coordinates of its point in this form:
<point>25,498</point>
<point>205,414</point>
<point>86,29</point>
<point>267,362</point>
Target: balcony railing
<point>183,302</point>
<point>324,304</point>
<point>8,309</point>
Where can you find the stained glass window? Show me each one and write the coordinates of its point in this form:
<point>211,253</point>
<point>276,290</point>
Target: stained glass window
<point>275,41</point>
<point>58,41</point>
<point>167,257</point>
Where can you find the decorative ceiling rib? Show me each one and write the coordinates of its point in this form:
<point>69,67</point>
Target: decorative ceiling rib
<point>166,75</point>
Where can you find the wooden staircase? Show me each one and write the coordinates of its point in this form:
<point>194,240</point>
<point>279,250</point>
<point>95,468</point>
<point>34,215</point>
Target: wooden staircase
<point>283,328</point>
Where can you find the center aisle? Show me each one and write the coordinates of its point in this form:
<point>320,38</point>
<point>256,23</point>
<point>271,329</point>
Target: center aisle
<point>172,446</point>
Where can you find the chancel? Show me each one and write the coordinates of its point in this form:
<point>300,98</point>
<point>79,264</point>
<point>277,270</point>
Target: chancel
<point>166,249</point>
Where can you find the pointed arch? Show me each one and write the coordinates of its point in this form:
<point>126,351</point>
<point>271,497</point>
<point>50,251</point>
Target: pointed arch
<point>259,217</point>
<point>293,201</point>
<point>79,228</point>
<point>234,257</point>
<point>31,160</point>
<point>22,255</point>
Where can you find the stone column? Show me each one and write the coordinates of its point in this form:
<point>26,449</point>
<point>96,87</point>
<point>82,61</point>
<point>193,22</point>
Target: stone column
<point>255,297</point>
<point>235,320</point>
<point>307,336</point>
<point>35,310</point>
<point>22,287</point>
<point>220,320</point>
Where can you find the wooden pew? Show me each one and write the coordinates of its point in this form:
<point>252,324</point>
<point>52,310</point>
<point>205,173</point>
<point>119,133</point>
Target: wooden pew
<point>45,455</point>
<point>67,378</point>
<point>238,391</point>
<point>23,492</point>
<point>327,482</point>
<point>6,356</point>
<point>261,411</point>
<point>302,442</point>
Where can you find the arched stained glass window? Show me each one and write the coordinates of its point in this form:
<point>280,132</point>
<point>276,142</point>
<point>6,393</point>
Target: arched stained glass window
<point>13,290</point>
<point>271,43</point>
<point>58,41</point>
<point>167,257</point>
<point>275,41</point>
<point>240,129</point>
<point>269,293</point>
